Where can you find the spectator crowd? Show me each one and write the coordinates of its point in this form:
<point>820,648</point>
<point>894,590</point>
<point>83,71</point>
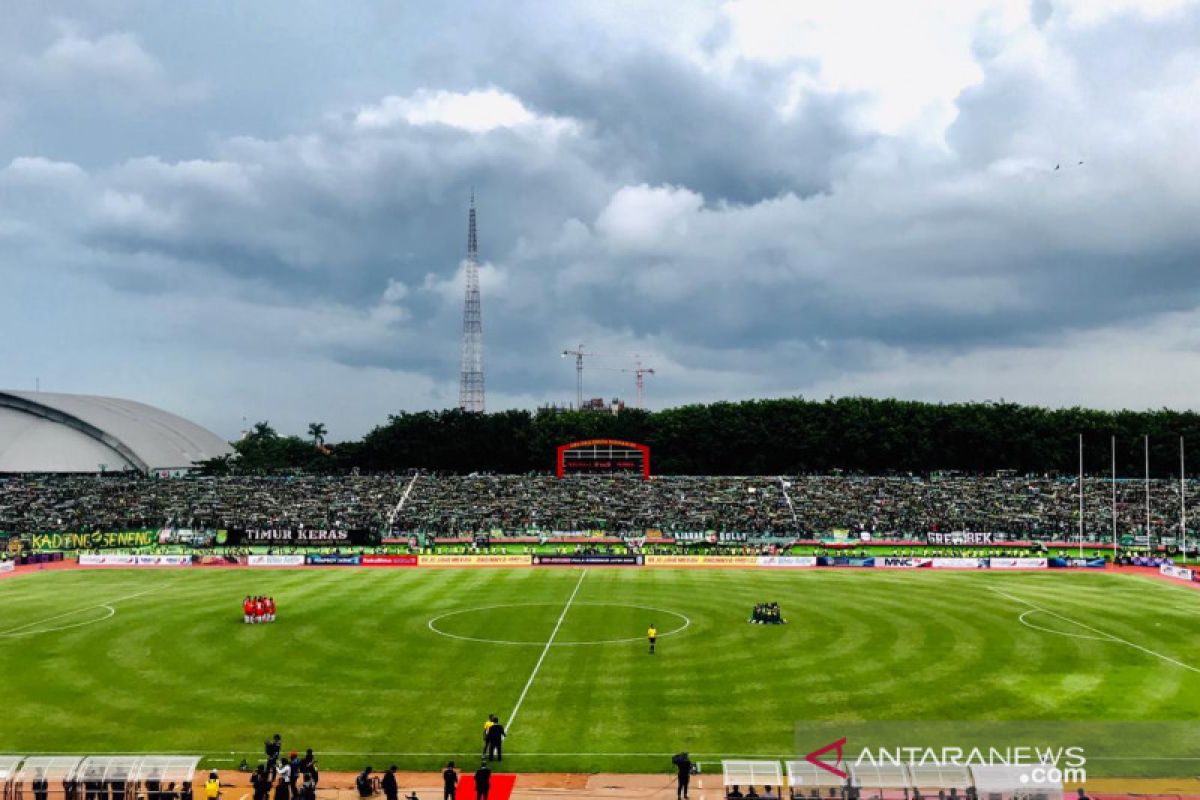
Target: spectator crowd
<point>462,506</point>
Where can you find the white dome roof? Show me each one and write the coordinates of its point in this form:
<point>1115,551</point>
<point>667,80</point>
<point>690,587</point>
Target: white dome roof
<point>48,432</point>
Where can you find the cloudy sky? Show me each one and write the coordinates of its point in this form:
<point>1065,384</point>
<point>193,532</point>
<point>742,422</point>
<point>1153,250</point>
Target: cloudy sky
<point>258,209</point>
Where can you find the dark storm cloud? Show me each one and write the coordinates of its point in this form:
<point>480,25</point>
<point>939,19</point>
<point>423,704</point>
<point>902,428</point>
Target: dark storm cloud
<point>292,218</point>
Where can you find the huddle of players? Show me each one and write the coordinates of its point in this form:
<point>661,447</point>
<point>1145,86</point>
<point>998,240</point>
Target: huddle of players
<point>258,609</point>
<point>290,778</point>
<point>767,614</point>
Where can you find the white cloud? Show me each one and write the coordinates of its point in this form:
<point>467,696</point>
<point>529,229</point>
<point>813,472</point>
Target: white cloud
<point>477,111</point>
<point>648,217</point>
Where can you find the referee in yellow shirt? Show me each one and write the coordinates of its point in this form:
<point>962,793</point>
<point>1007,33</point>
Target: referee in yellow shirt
<point>652,635</point>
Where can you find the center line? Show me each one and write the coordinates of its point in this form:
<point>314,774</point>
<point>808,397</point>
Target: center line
<point>512,718</point>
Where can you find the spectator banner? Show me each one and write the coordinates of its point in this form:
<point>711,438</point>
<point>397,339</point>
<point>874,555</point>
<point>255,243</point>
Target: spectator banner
<point>100,540</point>
<point>7,566</point>
<point>957,563</point>
<point>960,537</point>
<point>333,560</point>
<point>388,561</point>
<point>475,560</point>
<point>300,537</point>
<point>702,561</point>
<point>786,561</point>
<point>903,563</point>
<point>1017,563</point>
<point>275,561</point>
<point>598,560</point>
<point>86,560</point>
<point>1181,573</point>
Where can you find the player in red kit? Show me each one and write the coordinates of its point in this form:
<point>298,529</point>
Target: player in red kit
<point>248,610</point>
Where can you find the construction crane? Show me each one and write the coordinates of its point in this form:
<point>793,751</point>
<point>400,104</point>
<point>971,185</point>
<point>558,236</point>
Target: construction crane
<point>579,353</point>
<point>640,372</point>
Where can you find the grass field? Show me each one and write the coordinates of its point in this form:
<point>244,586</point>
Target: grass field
<point>138,661</point>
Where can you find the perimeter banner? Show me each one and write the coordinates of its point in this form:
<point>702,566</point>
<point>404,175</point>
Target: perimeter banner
<point>598,560</point>
<point>388,561</point>
<point>958,563</point>
<point>473,560</point>
<point>787,561</point>
<point>333,560</point>
<point>7,566</point>
<point>134,561</point>
<point>703,561</point>
<point>98,540</point>
<point>1017,563</point>
<point>1180,573</point>
<point>901,562</point>
<point>275,561</point>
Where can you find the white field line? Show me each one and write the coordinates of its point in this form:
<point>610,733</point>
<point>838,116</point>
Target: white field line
<point>528,755</point>
<point>512,718</point>
<point>106,603</point>
<point>1099,632</point>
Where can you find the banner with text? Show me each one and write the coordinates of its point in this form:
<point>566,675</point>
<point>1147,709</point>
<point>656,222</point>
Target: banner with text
<point>960,537</point>
<point>475,560</point>
<point>1017,563</point>
<point>702,561</point>
<point>98,540</point>
<point>300,537</point>
<point>786,561</point>
<point>388,560</point>
<point>582,560</point>
<point>275,561</point>
<point>134,561</point>
<point>958,563</point>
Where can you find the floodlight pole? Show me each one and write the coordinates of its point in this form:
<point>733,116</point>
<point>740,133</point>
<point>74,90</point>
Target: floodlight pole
<point>1149,540</point>
<point>1182,500</point>
<point>1113,440</point>
<point>1081,495</point>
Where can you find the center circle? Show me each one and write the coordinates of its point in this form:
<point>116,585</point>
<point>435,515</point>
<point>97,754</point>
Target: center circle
<point>503,618</point>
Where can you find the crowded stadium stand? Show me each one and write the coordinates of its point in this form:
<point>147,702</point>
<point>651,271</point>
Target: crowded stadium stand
<point>681,507</point>
<point>44,432</point>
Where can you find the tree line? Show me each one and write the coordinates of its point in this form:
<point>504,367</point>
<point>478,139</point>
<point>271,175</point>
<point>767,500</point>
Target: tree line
<point>786,436</point>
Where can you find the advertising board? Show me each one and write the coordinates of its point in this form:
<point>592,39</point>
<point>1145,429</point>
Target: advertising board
<point>113,560</point>
<point>275,561</point>
<point>388,560</point>
<point>475,560</point>
<point>903,562</point>
<point>597,560</point>
<point>1017,563</point>
<point>1179,573</point>
<point>957,563</point>
<point>333,560</point>
<point>787,561</point>
<point>702,561</point>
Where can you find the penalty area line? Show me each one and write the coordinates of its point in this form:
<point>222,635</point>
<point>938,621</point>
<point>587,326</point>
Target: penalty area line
<point>105,604</point>
<point>512,718</point>
<point>1106,635</point>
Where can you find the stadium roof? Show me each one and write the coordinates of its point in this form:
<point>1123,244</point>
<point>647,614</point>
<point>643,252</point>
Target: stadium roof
<point>48,432</point>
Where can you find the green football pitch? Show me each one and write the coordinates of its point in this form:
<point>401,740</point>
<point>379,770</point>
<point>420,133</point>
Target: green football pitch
<point>401,666</point>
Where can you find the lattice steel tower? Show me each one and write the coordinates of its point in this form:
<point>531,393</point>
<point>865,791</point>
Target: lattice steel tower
<point>470,384</point>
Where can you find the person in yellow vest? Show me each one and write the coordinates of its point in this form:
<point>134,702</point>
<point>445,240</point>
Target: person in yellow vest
<point>652,635</point>
<point>212,788</point>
